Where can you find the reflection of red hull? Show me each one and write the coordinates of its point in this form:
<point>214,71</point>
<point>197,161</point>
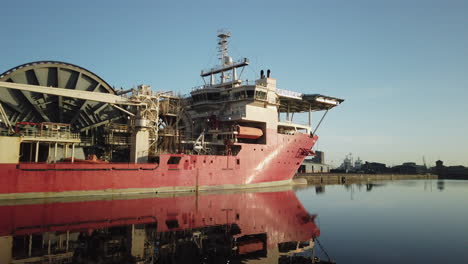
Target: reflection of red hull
<point>256,165</point>
<point>279,215</point>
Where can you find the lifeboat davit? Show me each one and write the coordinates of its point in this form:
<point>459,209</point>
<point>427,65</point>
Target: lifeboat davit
<point>249,132</point>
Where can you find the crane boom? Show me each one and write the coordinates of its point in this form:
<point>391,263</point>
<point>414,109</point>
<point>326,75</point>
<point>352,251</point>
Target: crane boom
<point>84,95</point>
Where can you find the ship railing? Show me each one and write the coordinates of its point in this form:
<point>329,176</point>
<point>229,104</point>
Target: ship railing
<point>167,93</point>
<point>48,134</point>
<point>117,140</point>
<point>199,87</point>
<point>290,94</point>
<point>240,62</point>
<point>245,82</point>
<point>294,123</point>
<point>118,127</point>
<point>86,141</point>
<point>233,98</point>
<point>4,132</point>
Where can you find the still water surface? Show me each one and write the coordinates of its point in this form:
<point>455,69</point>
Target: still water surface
<point>417,221</point>
<point>413,221</point>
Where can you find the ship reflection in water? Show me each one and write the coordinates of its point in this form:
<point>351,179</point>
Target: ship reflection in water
<point>271,227</point>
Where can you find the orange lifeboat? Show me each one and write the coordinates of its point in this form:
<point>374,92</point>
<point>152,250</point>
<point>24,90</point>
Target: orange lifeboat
<point>249,132</point>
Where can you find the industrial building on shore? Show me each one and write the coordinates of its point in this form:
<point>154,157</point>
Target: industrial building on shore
<point>316,164</point>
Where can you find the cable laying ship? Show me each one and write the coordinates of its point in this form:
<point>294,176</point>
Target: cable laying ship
<point>57,118</point>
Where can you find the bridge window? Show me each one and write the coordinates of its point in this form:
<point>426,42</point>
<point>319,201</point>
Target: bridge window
<point>260,95</point>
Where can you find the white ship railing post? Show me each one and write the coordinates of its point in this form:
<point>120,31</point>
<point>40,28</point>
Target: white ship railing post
<point>73,153</point>
<point>55,152</point>
<point>36,158</point>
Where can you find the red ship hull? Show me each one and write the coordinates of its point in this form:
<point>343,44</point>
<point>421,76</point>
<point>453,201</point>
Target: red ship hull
<point>278,215</point>
<point>256,165</point>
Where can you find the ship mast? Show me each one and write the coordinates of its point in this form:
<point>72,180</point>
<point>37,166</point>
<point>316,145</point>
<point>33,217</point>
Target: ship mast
<point>223,37</point>
<point>227,67</point>
<point>223,55</point>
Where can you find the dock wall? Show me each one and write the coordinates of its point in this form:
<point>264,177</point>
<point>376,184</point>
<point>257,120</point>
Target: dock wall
<point>346,178</point>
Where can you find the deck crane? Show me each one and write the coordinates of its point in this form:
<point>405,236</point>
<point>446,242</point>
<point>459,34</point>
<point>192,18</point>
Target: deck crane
<point>142,107</point>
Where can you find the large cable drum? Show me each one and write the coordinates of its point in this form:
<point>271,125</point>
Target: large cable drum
<point>23,106</point>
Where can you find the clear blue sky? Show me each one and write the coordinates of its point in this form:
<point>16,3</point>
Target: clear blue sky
<point>402,66</point>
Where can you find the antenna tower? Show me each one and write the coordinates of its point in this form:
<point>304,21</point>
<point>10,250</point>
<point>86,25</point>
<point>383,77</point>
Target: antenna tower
<point>223,41</point>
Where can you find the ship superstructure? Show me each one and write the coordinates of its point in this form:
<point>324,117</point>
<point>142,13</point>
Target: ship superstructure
<point>227,110</point>
<point>227,134</point>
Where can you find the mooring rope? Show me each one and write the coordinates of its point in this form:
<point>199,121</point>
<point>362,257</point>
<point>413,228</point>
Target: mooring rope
<point>323,249</point>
